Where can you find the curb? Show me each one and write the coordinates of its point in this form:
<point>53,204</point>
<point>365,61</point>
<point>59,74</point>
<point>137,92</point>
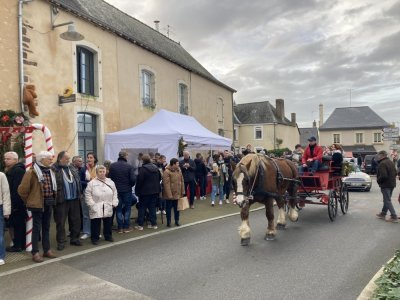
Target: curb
<point>98,248</point>
<point>370,288</point>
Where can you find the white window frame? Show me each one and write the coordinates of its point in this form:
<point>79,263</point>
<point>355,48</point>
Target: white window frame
<point>255,133</point>
<point>220,111</point>
<point>362,138</point>
<point>236,134</point>
<point>340,138</point>
<point>380,138</point>
<point>149,70</point>
<point>186,100</point>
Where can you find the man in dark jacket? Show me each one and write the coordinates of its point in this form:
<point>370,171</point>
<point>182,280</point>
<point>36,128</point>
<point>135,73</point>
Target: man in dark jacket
<point>386,178</point>
<point>188,168</point>
<point>147,188</point>
<point>228,175</point>
<point>201,175</point>
<point>123,175</point>
<point>15,172</point>
<point>69,193</point>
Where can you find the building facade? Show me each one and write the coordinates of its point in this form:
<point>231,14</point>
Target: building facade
<point>121,73</point>
<point>264,126</point>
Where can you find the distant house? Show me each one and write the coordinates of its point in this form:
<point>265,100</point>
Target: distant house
<point>306,133</point>
<point>264,126</point>
<point>357,129</point>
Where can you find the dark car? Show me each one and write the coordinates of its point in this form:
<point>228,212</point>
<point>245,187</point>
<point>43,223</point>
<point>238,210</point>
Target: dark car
<point>369,165</point>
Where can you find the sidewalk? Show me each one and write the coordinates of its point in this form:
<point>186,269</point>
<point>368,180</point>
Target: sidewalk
<point>203,210</point>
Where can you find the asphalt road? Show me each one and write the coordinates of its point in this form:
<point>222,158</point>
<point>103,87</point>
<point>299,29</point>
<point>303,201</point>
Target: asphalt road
<point>313,259</point>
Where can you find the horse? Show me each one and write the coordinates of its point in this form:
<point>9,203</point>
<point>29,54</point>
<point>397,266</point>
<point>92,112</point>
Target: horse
<point>259,178</point>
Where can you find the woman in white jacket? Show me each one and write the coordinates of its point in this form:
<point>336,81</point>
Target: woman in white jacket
<point>101,197</point>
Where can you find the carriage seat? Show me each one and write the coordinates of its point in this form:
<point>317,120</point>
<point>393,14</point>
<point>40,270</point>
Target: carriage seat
<point>326,162</point>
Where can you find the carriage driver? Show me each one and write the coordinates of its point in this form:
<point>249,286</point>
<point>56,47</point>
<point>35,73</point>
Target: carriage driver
<point>312,157</point>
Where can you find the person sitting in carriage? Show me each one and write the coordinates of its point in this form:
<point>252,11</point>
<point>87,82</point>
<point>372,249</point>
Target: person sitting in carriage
<point>312,157</point>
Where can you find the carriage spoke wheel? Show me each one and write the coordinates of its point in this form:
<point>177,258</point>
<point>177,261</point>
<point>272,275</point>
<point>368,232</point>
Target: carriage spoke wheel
<point>332,205</point>
<point>344,199</point>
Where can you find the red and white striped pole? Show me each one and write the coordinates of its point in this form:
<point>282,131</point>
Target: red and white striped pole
<point>28,164</point>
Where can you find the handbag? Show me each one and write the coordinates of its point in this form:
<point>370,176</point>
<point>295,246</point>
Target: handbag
<point>183,203</point>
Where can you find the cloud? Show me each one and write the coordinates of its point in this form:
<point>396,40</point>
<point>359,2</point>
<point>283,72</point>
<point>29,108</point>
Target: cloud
<point>305,51</point>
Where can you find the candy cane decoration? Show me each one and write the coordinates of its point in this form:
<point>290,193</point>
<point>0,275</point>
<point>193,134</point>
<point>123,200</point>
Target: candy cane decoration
<point>28,164</point>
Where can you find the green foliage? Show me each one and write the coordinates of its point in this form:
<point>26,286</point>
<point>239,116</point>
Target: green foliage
<point>181,146</point>
<point>279,142</point>
<point>389,283</point>
<point>278,152</point>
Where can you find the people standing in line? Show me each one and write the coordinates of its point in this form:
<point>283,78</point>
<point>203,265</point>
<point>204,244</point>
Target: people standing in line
<point>101,197</point>
<point>5,211</point>
<point>87,174</point>
<point>107,163</point>
<point>38,190</point>
<point>68,201</point>
<point>138,163</point>
<point>173,189</point>
<point>123,175</point>
<point>228,175</point>
<point>188,168</point>
<point>147,188</point>
<point>77,162</point>
<point>161,165</point>
<point>312,157</point>
<point>15,171</point>
<point>218,178</point>
<point>201,175</point>
<point>386,178</point>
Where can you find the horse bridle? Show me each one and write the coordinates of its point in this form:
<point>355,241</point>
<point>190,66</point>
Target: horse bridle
<point>250,192</point>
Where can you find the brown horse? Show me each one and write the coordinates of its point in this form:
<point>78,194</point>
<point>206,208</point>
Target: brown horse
<point>258,178</point>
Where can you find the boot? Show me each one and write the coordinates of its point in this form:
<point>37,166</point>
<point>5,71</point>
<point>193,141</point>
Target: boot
<point>37,258</point>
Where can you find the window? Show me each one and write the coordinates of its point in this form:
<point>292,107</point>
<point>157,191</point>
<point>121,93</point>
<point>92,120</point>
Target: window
<point>221,132</point>
<point>87,134</point>
<point>336,138</point>
<point>258,133</point>
<point>85,69</point>
<point>235,134</point>
<point>359,138</point>
<point>377,137</point>
<point>220,110</point>
<point>183,99</point>
<point>148,89</point>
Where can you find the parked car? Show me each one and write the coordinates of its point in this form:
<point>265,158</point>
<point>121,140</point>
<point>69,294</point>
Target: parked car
<point>358,180</point>
<point>368,164</point>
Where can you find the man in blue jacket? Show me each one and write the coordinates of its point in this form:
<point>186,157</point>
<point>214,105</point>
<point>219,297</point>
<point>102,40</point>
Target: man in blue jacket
<point>123,175</point>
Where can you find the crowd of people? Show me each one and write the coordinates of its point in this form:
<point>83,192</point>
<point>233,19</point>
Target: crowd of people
<point>90,196</point>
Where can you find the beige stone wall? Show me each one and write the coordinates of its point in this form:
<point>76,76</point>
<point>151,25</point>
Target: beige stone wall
<point>118,105</point>
<point>289,135</point>
<point>348,138</point>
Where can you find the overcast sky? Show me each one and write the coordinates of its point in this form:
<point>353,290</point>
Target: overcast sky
<point>304,51</point>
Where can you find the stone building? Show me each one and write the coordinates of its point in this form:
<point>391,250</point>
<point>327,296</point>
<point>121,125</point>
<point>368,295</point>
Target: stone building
<point>121,73</point>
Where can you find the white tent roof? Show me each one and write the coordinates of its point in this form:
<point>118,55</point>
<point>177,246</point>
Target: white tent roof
<point>163,131</point>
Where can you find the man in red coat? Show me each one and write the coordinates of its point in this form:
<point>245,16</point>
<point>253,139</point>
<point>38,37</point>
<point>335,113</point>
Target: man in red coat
<point>312,157</point>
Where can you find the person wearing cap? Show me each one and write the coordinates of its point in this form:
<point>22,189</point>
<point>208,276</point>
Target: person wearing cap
<point>386,178</point>
<point>123,175</point>
<point>312,157</point>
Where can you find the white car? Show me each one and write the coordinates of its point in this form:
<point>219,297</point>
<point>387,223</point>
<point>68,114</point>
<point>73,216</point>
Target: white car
<point>358,180</point>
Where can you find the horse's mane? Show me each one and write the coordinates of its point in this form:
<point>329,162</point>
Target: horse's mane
<point>250,163</point>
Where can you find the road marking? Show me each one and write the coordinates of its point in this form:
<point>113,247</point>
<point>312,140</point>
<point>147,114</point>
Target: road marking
<point>98,248</point>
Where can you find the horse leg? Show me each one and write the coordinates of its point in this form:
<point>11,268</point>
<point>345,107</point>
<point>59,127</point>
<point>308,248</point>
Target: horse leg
<point>281,223</point>
<point>244,228</point>
<point>293,214</point>
<point>269,212</point>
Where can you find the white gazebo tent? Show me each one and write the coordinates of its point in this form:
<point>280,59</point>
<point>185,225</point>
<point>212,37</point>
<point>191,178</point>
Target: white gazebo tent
<point>162,133</point>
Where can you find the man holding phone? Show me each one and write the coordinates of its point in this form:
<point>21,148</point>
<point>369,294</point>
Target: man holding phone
<point>188,168</point>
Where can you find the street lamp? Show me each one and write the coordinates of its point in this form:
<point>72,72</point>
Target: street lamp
<point>71,34</point>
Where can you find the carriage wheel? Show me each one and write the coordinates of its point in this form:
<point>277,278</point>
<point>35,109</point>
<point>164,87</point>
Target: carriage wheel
<point>332,205</point>
<point>344,199</point>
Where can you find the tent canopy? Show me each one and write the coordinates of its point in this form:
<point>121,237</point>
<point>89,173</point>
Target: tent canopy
<point>162,132</point>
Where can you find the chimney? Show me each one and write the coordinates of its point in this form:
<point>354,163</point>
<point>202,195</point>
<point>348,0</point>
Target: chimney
<point>321,114</point>
<point>314,124</point>
<point>280,109</point>
<point>157,25</point>
<point>293,115</point>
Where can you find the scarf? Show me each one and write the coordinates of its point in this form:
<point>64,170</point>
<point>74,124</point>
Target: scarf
<point>70,186</point>
<point>39,173</point>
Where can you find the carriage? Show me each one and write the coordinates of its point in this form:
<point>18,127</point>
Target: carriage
<point>324,187</point>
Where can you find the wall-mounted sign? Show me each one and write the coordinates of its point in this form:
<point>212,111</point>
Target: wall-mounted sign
<point>69,99</point>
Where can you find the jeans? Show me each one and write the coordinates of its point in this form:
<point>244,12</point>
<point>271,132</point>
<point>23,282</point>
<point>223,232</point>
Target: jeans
<point>312,167</point>
<point>85,217</point>
<point>227,187</point>
<point>18,222</point>
<point>220,188</point>
<point>41,221</point>
<point>68,209</point>
<point>202,181</point>
<point>192,191</point>
<point>387,202</point>
<point>2,241</point>
<point>95,225</point>
<point>147,203</point>
<point>124,210</point>
<point>172,204</point>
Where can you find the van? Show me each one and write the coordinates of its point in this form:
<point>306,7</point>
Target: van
<point>368,164</point>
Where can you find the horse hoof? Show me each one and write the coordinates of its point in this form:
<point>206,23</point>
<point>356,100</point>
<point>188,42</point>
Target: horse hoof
<point>245,242</point>
<point>294,221</point>
<point>280,226</point>
<point>269,237</point>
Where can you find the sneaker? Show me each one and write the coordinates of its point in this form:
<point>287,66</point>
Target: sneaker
<point>220,202</point>
<point>227,201</point>
<point>381,216</point>
<point>158,212</point>
<point>195,198</point>
<point>120,230</point>
<point>139,227</point>
<point>85,236</point>
<point>11,244</point>
<point>152,227</point>
<point>212,203</point>
<point>393,220</point>
<point>126,230</point>
<point>191,206</point>
<point>164,212</point>
<point>13,249</point>
<point>2,262</point>
<point>100,236</point>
